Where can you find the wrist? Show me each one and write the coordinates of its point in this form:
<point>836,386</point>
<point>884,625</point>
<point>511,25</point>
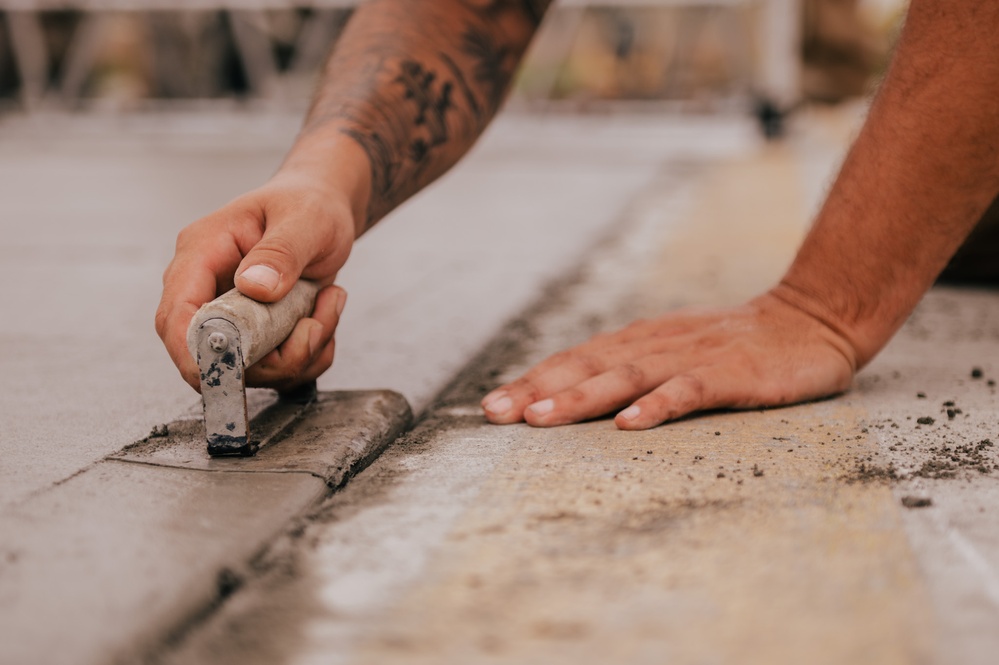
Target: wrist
<point>337,166</point>
<point>860,339</point>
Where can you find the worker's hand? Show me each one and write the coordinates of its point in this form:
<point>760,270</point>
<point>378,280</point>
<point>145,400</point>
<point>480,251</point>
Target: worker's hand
<point>765,353</point>
<point>263,241</point>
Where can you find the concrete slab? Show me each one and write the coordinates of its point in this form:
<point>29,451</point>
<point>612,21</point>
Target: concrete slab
<point>92,205</point>
<point>757,537</point>
<point>109,563</point>
<point>126,554</point>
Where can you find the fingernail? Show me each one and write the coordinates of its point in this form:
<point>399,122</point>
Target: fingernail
<point>631,412</point>
<point>500,406</point>
<point>265,276</point>
<point>314,337</point>
<point>492,397</point>
<point>542,407</point>
<point>341,301</point>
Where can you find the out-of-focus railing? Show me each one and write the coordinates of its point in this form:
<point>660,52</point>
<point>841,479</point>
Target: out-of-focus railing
<point>50,49</point>
<point>170,25</point>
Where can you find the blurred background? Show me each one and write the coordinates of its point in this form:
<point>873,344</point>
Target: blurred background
<point>694,55</point>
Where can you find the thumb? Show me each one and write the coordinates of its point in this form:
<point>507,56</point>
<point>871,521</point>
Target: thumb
<point>273,265</point>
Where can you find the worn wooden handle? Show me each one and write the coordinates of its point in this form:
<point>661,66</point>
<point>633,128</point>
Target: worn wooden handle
<point>262,326</point>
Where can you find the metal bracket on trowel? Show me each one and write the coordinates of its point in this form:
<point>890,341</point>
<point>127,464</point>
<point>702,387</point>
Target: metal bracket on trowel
<point>228,335</point>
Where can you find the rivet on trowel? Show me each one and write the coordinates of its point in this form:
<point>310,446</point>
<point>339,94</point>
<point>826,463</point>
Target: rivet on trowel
<point>218,341</point>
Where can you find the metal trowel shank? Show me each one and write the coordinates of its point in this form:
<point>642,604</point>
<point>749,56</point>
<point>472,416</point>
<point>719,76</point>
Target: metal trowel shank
<point>225,337</point>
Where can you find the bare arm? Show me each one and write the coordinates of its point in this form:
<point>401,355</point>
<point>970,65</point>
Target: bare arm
<point>414,83</point>
<point>922,171</point>
<point>408,89</point>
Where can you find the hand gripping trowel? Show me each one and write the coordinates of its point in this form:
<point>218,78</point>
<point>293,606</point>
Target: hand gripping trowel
<point>228,335</point>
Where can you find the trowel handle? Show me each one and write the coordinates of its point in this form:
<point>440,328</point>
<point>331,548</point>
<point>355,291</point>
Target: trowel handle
<point>262,326</point>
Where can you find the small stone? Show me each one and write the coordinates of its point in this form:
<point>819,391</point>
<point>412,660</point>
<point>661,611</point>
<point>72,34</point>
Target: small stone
<point>925,420</point>
<point>921,395</point>
<point>917,501</point>
<point>976,372</point>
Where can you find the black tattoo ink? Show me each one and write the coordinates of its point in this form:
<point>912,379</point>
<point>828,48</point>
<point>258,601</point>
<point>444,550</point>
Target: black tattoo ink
<point>535,9</point>
<point>466,90</point>
<point>413,103</point>
<point>431,107</point>
<point>492,64</point>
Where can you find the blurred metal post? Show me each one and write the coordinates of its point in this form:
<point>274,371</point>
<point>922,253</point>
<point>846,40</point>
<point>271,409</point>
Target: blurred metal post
<point>320,32</point>
<point>778,78</point>
<point>30,55</point>
<point>80,55</point>
<point>777,71</point>
<point>249,31</point>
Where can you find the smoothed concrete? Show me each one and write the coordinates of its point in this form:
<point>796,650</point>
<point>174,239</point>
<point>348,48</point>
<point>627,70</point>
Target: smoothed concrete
<point>115,559</point>
<point>340,433</point>
<point>128,553</point>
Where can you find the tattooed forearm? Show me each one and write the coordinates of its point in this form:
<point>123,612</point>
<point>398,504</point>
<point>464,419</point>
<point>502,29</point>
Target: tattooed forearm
<point>414,82</point>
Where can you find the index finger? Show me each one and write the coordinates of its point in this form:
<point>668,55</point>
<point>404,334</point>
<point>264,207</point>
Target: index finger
<point>188,283</point>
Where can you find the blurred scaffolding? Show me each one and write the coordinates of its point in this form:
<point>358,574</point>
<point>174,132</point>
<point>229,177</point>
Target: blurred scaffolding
<point>698,54</point>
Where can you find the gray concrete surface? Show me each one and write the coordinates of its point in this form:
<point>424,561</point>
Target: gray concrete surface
<point>129,553</point>
<point>774,536</point>
<point>465,542</point>
<point>92,205</point>
<point>120,554</point>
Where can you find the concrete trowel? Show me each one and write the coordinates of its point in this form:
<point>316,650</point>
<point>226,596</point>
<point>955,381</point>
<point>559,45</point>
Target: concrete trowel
<point>226,336</point>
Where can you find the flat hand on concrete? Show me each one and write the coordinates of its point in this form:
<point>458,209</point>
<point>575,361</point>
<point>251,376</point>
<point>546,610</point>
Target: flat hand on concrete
<point>764,353</point>
<point>263,241</point>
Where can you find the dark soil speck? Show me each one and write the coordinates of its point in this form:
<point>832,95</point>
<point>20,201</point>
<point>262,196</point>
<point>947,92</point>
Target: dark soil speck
<point>916,501</point>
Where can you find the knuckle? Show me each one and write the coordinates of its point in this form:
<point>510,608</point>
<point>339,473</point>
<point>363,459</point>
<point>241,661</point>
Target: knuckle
<point>573,397</point>
<point>277,249</point>
<point>297,364</point>
<point>160,320</point>
<point>587,363</point>
<point>527,388</point>
<point>656,402</point>
<point>324,359</point>
<point>693,387</point>
<point>631,374</point>
<point>184,237</point>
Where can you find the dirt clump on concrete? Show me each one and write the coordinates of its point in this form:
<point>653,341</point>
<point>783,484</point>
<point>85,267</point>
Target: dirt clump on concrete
<point>932,450</point>
<point>916,501</point>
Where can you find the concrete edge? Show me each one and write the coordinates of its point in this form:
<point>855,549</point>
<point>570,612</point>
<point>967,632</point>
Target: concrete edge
<point>127,555</point>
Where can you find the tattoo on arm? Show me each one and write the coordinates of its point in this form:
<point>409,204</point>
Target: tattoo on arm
<point>414,82</point>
